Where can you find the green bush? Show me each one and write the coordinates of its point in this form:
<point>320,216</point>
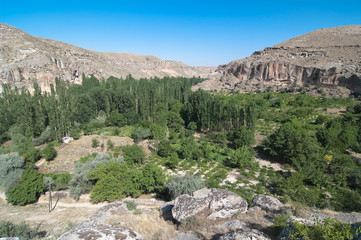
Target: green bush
<point>110,145</point>
<point>186,184</point>
<point>172,161</point>
<point>241,158</point>
<point>165,148</point>
<point>95,143</point>
<point>326,229</point>
<point>130,205</point>
<point>21,230</point>
<point>79,182</point>
<point>114,181</point>
<point>11,168</point>
<point>116,119</point>
<point>61,180</point>
<point>49,152</point>
<point>140,134</point>
<point>134,154</point>
<point>243,137</point>
<point>28,190</point>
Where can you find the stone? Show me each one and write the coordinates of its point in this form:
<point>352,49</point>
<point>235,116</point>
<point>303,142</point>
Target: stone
<point>189,236</point>
<point>225,204</point>
<point>230,226</point>
<point>186,206</point>
<point>101,232</point>
<point>221,203</point>
<point>166,210</point>
<point>245,234</point>
<point>95,228</point>
<point>268,203</point>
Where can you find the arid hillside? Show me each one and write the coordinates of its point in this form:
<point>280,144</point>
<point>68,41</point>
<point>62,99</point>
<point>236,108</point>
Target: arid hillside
<point>25,59</point>
<point>329,58</point>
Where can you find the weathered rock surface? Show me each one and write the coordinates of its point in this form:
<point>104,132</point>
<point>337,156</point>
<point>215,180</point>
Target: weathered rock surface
<point>268,203</point>
<point>245,234</point>
<point>25,59</point>
<point>95,228</point>
<point>328,58</point>
<point>221,203</point>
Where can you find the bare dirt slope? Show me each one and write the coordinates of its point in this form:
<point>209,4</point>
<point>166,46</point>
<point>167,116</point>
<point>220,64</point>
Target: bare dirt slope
<point>68,154</point>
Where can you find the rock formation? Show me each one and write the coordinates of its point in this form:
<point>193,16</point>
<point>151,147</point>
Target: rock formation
<point>268,203</point>
<point>95,228</point>
<point>220,204</point>
<point>327,58</point>
<point>25,59</point>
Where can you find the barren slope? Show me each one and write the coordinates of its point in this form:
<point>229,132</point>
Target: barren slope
<point>25,59</point>
<point>329,58</point>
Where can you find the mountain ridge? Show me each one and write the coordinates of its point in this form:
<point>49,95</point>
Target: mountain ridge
<point>25,59</point>
<point>327,58</point>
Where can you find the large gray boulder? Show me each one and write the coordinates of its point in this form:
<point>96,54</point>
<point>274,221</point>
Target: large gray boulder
<point>101,232</point>
<point>95,228</point>
<point>225,204</point>
<point>186,206</point>
<point>220,203</point>
<point>268,203</point>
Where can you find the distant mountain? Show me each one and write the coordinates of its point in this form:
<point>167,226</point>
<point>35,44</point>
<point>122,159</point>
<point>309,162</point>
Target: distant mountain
<point>25,59</point>
<point>327,58</point>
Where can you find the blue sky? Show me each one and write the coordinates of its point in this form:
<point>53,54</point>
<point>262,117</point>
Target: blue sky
<point>199,33</point>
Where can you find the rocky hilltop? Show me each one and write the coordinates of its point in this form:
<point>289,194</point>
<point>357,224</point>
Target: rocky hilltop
<point>329,58</point>
<point>25,59</point>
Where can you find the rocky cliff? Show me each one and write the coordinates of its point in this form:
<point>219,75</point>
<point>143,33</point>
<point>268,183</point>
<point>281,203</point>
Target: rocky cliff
<point>328,58</point>
<point>25,59</point>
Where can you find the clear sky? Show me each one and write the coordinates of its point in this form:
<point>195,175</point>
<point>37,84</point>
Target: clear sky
<point>199,33</point>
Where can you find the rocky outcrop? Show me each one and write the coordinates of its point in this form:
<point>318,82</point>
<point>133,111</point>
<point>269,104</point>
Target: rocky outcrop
<point>95,228</point>
<point>327,58</point>
<point>268,203</point>
<point>219,203</point>
<point>25,59</point>
<point>238,230</point>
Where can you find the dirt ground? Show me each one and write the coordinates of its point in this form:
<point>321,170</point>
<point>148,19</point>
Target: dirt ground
<point>69,153</point>
<point>62,218</point>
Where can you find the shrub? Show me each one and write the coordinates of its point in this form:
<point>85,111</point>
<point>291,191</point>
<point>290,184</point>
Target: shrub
<point>49,152</point>
<point>328,228</point>
<point>44,137</point>
<point>242,157</point>
<point>140,134</point>
<point>130,205</point>
<point>11,169</point>
<point>114,181</point>
<point>28,190</point>
<point>165,148</point>
<point>79,182</point>
<point>116,119</point>
<point>186,184</point>
<point>173,161</point>
<point>95,143</point>
<point>21,230</point>
<point>134,154</point>
<point>110,145</point>
<point>243,137</point>
<point>61,180</point>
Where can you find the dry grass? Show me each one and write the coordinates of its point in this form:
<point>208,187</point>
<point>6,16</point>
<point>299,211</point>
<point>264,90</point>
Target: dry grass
<point>68,154</point>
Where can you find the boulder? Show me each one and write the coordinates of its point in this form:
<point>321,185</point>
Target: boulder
<point>221,203</point>
<point>95,228</point>
<point>186,206</point>
<point>166,210</point>
<point>101,232</point>
<point>245,234</point>
<point>268,203</point>
<point>189,236</point>
<point>225,204</point>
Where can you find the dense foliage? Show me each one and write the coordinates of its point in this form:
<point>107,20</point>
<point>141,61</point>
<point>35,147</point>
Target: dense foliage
<point>28,190</point>
<point>21,230</point>
<point>213,133</point>
<point>11,169</point>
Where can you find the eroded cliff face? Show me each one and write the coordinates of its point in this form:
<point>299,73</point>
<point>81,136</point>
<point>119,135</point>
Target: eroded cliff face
<point>25,59</point>
<point>327,58</point>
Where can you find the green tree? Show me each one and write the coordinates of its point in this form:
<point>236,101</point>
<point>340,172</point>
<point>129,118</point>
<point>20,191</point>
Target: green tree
<point>243,137</point>
<point>116,119</point>
<point>134,154</point>
<point>241,158</point>
<point>165,148</point>
<point>49,152</point>
<point>28,190</point>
